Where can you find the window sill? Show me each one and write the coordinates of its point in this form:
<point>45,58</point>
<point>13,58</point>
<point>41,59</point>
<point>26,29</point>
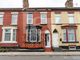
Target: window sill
<point>33,42</point>
<point>71,42</point>
<point>1,24</point>
<point>14,24</point>
<point>58,24</point>
<point>8,42</point>
<point>44,24</point>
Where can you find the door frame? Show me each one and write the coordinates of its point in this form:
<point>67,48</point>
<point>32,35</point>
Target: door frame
<point>49,42</point>
<point>55,32</point>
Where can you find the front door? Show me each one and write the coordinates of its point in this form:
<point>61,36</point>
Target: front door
<point>55,42</point>
<point>47,40</point>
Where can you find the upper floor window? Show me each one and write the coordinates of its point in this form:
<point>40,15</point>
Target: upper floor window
<point>43,17</point>
<point>57,18</point>
<point>71,18</point>
<point>14,18</point>
<point>29,18</point>
<point>1,18</point>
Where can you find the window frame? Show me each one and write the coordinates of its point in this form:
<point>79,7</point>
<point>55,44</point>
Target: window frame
<point>38,36</point>
<point>3,35</point>
<point>67,35</point>
<point>2,13</point>
<point>29,18</point>
<point>12,16</point>
<point>43,19</point>
<point>69,17</point>
<point>59,16</point>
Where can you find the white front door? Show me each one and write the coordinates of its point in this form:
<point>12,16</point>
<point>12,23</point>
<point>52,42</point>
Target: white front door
<point>55,42</point>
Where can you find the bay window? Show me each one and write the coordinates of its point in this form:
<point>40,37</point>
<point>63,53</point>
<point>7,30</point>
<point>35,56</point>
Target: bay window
<point>69,35</point>
<point>33,34</point>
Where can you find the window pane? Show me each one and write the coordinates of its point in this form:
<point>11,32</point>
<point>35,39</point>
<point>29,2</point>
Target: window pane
<point>29,18</point>
<point>71,18</point>
<point>43,18</point>
<point>71,35</point>
<point>14,34</point>
<point>1,19</point>
<point>57,19</point>
<point>14,18</point>
<point>64,35</point>
<point>38,35</point>
<point>7,35</point>
<point>32,34</point>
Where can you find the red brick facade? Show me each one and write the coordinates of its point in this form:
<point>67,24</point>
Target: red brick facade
<point>21,29</point>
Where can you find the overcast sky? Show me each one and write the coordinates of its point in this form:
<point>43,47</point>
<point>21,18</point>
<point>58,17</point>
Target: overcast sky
<point>36,3</point>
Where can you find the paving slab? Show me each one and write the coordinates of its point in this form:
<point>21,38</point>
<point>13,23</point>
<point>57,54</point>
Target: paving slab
<point>39,53</point>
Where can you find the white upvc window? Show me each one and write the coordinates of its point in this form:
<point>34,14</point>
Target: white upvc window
<point>29,18</point>
<point>9,35</point>
<point>43,16</point>
<point>1,18</point>
<point>14,18</point>
<point>71,18</point>
<point>57,18</point>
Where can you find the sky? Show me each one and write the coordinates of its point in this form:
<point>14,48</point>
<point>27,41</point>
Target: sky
<point>36,3</point>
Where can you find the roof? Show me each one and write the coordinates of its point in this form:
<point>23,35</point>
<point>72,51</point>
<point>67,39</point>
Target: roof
<point>41,9</point>
<point>11,9</point>
<point>53,9</point>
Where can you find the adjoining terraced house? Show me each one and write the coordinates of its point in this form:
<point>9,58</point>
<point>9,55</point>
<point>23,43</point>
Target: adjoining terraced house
<point>65,24</point>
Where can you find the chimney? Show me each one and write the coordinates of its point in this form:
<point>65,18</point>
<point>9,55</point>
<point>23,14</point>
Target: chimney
<point>25,4</point>
<point>69,4</point>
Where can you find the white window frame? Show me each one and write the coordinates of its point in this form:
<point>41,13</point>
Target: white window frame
<point>2,13</point>
<point>29,18</point>
<point>71,21</point>
<point>14,13</point>
<point>3,35</point>
<point>42,19</point>
<point>48,42</point>
<point>58,21</point>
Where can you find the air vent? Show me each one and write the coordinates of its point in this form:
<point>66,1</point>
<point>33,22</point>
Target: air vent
<point>72,47</point>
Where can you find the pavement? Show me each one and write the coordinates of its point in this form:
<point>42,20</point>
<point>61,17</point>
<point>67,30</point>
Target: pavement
<point>39,53</point>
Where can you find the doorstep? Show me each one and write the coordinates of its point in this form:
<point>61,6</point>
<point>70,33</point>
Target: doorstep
<point>39,53</point>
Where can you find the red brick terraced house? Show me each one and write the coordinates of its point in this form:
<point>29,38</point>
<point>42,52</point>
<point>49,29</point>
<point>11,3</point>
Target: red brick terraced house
<point>26,28</point>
